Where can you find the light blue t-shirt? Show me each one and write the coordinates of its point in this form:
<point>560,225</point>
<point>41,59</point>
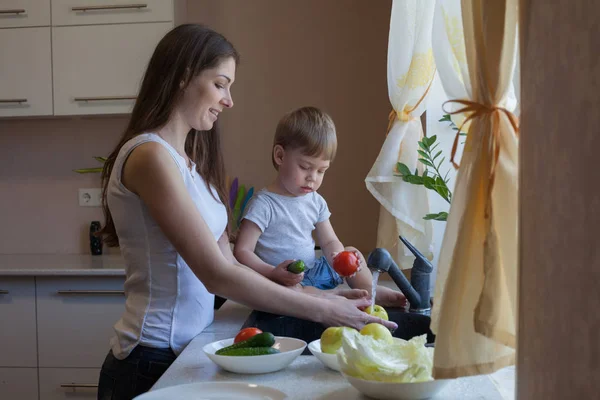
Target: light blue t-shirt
<point>286,223</point>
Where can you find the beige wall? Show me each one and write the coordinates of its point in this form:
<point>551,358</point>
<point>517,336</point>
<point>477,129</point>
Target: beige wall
<point>331,54</point>
<point>327,53</point>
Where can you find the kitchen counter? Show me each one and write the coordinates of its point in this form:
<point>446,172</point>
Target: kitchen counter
<point>305,378</point>
<point>61,265</point>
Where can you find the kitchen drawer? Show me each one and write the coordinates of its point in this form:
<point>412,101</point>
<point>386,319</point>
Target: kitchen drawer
<point>17,327</point>
<point>18,383</point>
<point>22,13</point>
<point>98,68</point>
<point>69,383</point>
<point>75,319</point>
<point>25,72</point>
<point>93,12</point>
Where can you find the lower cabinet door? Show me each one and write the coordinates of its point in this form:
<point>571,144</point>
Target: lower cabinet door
<point>19,383</point>
<point>69,383</point>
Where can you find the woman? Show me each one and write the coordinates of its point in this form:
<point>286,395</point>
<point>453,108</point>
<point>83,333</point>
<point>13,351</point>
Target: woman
<point>164,196</point>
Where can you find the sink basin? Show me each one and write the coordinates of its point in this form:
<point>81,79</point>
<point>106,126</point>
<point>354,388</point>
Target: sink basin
<point>409,326</point>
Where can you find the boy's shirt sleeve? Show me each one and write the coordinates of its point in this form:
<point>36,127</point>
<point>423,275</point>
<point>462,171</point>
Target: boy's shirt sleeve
<point>324,212</point>
<point>259,212</point>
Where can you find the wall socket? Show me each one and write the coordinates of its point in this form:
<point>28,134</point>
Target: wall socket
<point>90,197</point>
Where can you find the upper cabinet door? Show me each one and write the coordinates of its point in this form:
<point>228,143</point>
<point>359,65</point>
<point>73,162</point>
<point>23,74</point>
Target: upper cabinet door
<point>22,13</point>
<point>91,12</point>
<point>25,72</point>
<point>97,69</point>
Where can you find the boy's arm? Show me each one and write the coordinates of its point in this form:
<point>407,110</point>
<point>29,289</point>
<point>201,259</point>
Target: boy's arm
<point>328,240</point>
<point>245,244</point>
<point>244,251</point>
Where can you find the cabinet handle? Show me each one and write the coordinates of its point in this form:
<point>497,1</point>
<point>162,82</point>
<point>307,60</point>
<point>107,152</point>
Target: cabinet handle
<point>101,292</point>
<point>15,11</point>
<point>109,7</point>
<point>109,98</point>
<point>4,101</point>
<point>79,385</point>
<point>4,291</point>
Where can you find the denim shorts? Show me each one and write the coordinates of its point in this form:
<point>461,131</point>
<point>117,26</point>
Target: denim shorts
<point>322,276</point>
<point>125,379</point>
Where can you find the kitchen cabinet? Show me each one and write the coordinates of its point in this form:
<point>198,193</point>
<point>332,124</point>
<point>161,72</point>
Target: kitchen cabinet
<point>25,72</point>
<point>55,333</point>
<point>95,71</point>
<point>18,383</point>
<point>74,57</point>
<point>88,12</point>
<point>75,318</point>
<point>23,13</point>
<point>17,313</point>
<point>69,383</point>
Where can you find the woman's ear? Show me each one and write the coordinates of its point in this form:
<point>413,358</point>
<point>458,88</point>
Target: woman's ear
<point>278,154</point>
<point>185,79</point>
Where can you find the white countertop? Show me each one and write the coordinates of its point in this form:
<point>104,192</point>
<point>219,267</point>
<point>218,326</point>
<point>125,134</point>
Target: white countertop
<point>61,265</point>
<point>305,378</point>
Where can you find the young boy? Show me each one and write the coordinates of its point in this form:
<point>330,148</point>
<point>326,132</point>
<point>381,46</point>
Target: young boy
<point>277,226</point>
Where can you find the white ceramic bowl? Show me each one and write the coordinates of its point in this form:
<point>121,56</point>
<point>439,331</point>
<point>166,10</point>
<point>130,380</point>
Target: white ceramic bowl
<point>330,360</point>
<point>290,349</point>
<point>397,391</point>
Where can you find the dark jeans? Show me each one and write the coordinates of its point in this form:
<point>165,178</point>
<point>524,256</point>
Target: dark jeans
<point>125,379</point>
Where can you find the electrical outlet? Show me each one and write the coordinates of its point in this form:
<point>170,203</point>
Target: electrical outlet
<point>90,197</point>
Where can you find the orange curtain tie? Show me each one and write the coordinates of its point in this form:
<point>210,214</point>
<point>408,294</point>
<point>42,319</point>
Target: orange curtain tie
<point>405,114</point>
<point>476,110</point>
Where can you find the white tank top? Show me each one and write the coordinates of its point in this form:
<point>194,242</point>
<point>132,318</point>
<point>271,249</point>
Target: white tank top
<point>166,304</point>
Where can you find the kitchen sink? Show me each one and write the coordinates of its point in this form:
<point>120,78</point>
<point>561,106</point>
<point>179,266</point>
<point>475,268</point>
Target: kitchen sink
<point>409,325</point>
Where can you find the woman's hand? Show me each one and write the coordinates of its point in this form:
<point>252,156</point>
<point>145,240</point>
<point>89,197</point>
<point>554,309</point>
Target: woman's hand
<point>344,312</point>
<point>281,275</point>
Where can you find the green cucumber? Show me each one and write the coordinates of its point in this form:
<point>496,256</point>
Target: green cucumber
<point>264,339</point>
<point>297,267</point>
<point>248,351</point>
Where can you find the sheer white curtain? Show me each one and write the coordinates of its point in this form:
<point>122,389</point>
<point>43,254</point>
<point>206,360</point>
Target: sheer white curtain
<point>411,70</point>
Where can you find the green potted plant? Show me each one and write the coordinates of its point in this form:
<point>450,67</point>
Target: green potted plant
<point>431,178</point>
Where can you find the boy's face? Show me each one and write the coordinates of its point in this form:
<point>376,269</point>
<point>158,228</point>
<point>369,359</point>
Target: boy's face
<point>300,174</point>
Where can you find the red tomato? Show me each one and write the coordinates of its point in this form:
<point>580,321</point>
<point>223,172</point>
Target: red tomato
<point>246,334</point>
<point>346,263</point>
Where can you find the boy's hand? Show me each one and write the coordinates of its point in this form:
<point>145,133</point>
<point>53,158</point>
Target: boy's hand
<point>361,258</point>
<point>281,275</point>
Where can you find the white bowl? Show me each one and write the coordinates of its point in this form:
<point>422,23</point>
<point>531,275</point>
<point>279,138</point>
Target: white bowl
<point>397,391</point>
<point>330,360</point>
<point>290,349</point>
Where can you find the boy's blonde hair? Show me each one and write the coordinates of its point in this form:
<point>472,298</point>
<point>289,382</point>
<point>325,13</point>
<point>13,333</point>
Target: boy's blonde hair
<point>308,129</point>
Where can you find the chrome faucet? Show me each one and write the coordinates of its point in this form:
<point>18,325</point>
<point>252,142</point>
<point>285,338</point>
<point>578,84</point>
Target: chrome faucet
<point>417,291</point>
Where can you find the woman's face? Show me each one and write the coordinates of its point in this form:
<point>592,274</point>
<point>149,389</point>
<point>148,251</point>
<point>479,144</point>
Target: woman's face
<point>207,95</point>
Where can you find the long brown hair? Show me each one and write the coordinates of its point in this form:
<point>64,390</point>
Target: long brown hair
<point>181,55</point>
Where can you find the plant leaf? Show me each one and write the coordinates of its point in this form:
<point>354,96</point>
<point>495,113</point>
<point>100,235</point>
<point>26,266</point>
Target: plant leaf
<point>437,155</point>
<point>429,182</point>
<point>440,163</point>
<point>403,169</point>
<point>423,154</point>
<point>100,159</point>
<point>423,145</point>
<point>88,170</point>
<point>441,216</point>
<point>426,162</point>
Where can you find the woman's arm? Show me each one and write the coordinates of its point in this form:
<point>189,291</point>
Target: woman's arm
<point>151,173</point>
<point>225,247</point>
